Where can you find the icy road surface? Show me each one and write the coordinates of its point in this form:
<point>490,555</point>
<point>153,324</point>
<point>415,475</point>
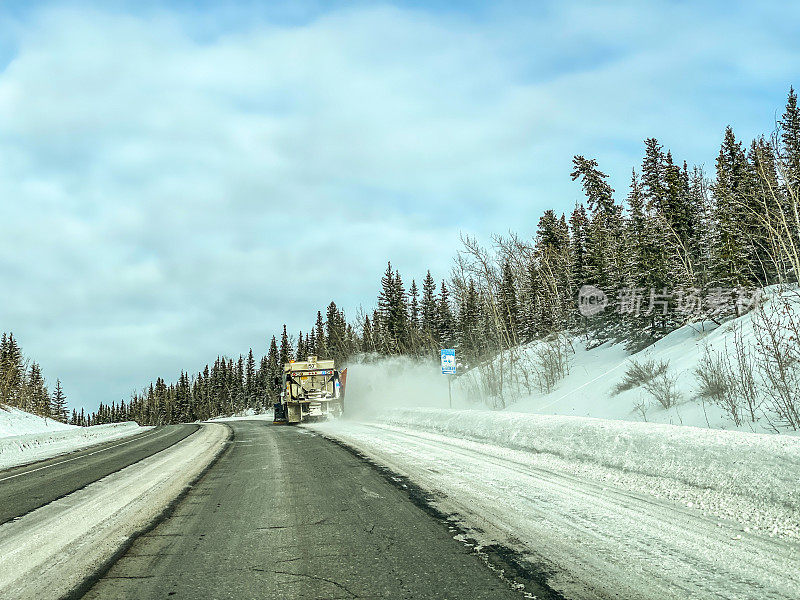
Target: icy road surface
<point>596,536</point>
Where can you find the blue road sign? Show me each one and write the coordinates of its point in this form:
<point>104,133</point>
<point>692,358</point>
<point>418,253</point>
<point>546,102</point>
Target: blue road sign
<point>448,362</point>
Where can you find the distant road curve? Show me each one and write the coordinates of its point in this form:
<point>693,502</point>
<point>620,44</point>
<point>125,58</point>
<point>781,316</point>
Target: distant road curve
<point>26,488</point>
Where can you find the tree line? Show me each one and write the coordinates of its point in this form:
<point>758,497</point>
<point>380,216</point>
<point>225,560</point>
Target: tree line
<point>682,245</point>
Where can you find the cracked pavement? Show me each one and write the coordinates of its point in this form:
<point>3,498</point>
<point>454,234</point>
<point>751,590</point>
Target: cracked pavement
<point>288,514</point>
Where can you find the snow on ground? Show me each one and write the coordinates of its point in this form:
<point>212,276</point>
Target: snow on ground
<point>634,510</point>
<point>593,374</point>
<point>608,499</point>
<point>47,552</point>
<point>247,415</point>
<point>26,438</point>
<point>14,421</point>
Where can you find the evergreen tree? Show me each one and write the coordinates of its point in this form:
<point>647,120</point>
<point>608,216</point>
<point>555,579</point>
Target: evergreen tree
<point>250,386</point>
<point>604,235</point>
<point>769,212</point>
<point>393,313</point>
<point>554,286</point>
<point>320,346</point>
<point>429,312</point>
<point>58,407</point>
<point>286,350</point>
<point>274,368</point>
<point>12,371</point>
<point>367,341</point>
<point>469,337</point>
<point>414,317</point>
<point>790,143</point>
<point>336,334</point>
<point>732,248</point>
<point>444,318</point>
<point>579,225</point>
<point>37,398</point>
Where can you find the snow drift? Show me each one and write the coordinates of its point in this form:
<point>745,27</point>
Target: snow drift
<point>18,450</point>
<point>14,421</point>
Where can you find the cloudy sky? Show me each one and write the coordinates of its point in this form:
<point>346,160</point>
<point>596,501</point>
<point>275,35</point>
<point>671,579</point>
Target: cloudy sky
<point>178,180</point>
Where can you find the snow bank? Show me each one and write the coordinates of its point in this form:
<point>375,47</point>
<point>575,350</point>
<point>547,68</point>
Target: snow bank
<point>247,415</point>
<point>760,466</point>
<point>14,421</point>
<point>18,450</point>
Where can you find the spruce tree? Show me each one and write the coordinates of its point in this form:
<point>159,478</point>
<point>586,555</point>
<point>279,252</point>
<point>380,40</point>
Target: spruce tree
<point>768,214</point>
<point>58,407</point>
<point>604,235</point>
<point>554,272</point>
<point>428,313</point>
<point>469,339</point>
<point>790,143</point>
<point>444,318</point>
<point>37,396</point>
<point>13,372</point>
<point>250,386</point>
<point>286,350</point>
<point>274,368</point>
<point>579,225</point>
<point>414,317</point>
<point>320,346</point>
<point>367,341</point>
<point>732,250</point>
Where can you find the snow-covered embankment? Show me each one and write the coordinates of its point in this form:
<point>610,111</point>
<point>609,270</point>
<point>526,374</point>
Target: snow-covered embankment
<point>22,449</point>
<point>763,468</point>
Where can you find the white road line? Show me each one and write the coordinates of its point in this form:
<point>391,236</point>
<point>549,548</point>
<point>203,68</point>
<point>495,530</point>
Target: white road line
<point>78,457</point>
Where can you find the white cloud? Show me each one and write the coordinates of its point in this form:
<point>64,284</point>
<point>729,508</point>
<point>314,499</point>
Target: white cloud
<point>166,197</point>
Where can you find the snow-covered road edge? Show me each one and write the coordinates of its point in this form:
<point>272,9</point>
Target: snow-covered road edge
<point>32,447</point>
<point>50,551</point>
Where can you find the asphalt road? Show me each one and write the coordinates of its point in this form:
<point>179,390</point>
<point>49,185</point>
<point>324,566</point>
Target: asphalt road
<point>26,488</point>
<point>287,514</point>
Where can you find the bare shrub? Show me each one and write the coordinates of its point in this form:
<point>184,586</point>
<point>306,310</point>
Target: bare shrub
<point>778,359</point>
<point>663,387</point>
<point>731,384</point>
<point>744,381</point>
<point>641,407</point>
<point>551,362</point>
<point>715,385</point>
<point>654,377</point>
<point>640,373</point>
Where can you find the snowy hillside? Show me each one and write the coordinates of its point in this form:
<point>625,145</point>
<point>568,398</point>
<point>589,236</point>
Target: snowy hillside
<point>14,421</point>
<point>26,438</point>
<point>588,389</point>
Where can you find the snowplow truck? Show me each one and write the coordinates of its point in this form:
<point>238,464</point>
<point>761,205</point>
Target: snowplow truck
<point>311,390</point>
